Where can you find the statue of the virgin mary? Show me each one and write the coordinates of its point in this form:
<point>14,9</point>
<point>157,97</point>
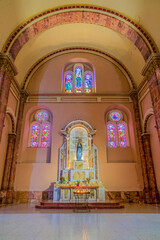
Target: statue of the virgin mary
<point>79,149</point>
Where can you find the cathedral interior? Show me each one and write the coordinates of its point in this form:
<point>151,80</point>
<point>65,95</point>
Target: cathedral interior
<point>80,104</point>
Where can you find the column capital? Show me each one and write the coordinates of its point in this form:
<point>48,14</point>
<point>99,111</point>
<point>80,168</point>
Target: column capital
<point>11,137</point>
<point>23,96</point>
<point>7,63</point>
<point>134,95</point>
<point>151,65</point>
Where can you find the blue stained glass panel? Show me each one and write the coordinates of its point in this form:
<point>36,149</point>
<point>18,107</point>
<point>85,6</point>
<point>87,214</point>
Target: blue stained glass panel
<point>42,116</point>
<point>115,116</point>
<point>35,135</point>
<point>68,82</point>
<point>45,135</point>
<point>111,135</point>
<point>122,135</point>
<point>88,82</point>
<point>78,79</point>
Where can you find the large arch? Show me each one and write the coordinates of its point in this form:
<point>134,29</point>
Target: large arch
<point>53,54</point>
<point>80,14</point>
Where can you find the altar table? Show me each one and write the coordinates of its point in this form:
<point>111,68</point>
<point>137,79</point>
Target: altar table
<point>71,188</point>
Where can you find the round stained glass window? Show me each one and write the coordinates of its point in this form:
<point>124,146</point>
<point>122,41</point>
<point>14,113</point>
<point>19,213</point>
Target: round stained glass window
<point>41,116</point>
<point>115,116</point>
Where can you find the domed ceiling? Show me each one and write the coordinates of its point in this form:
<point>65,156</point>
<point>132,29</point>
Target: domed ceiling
<point>126,31</point>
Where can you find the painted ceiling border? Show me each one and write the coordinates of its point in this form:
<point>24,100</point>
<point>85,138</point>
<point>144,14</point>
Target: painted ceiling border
<point>82,7</point>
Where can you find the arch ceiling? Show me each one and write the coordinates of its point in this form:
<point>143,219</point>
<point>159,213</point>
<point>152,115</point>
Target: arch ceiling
<point>143,13</point>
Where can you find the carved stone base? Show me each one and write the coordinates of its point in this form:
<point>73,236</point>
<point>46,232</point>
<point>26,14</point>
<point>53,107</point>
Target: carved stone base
<point>125,196</point>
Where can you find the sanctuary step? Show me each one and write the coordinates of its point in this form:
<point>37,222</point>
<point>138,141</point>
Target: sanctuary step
<point>72,205</point>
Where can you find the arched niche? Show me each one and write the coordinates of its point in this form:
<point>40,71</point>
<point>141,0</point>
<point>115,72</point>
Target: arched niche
<point>74,132</point>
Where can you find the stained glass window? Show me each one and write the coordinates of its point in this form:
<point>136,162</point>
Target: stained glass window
<point>88,82</point>
<point>115,116</point>
<point>68,82</point>
<point>45,135</point>
<point>41,116</point>
<point>78,79</point>
<point>35,135</point>
<point>122,135</point>
<point>111,135</point>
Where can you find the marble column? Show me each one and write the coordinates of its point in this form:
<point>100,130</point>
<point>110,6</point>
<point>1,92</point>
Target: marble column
<point>154,195</point>
<point>17,145</point>
<point>7,73</point>
<point>8,161</point>
<point>146,193</point>
<point>151,71</point>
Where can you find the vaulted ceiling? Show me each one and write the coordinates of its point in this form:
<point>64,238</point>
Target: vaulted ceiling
<point>128,31</point>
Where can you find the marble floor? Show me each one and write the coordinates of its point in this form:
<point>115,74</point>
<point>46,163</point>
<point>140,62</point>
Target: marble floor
<point>134,222</point>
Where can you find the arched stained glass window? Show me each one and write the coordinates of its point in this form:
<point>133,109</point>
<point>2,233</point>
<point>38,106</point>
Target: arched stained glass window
<point>111,135</point>
<point>41,116</point>
<point>45,135</point>
<point>122,135</point>
<point>117,130</point>
<point>35,135</point>
<point>40,129</point>
<point>68,82</point>
<point>78,79</point>
<point>88,79</point>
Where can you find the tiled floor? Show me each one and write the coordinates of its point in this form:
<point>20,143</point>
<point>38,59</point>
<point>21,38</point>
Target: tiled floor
<point>134,222</point>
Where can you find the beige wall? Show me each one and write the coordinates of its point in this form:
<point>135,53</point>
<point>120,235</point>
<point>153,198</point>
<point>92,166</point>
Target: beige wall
<point>123,175</point>
<point>49,77</point>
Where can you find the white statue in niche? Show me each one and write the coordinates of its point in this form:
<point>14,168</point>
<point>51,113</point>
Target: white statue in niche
<point>79,150</point>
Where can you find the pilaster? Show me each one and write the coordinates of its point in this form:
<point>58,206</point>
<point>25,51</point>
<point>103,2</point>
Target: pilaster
<point>134,97</point>
<point>154,195</point>
<point>151,71</point>
<point>7,72</point>
<point>17,142</point>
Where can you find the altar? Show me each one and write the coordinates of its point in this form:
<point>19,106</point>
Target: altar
<point>78,164</point>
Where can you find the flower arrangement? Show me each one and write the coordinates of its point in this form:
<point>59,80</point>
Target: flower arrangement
<point>62,179</point>
<point>78,182</point>
<point>88,180</point>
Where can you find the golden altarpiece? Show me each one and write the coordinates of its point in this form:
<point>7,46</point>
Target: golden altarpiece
<point>78,163</point>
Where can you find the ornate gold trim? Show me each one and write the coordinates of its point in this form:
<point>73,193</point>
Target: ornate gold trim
<point>7,64</point>
<point>151,65</point>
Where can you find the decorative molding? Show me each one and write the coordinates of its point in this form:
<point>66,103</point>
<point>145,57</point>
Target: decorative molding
<point>98,52</point>
<point>6,63</point>
<point>147,115</point>
<point>82,7</point>
<point>151,65</point>
<point>81,98</point>
<point>76,123</point>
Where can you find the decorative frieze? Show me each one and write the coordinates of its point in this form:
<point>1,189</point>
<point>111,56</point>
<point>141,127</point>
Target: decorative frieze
<point>7,64</point>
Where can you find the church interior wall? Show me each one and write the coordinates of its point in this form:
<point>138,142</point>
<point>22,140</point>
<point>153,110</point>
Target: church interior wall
<point>48,79</point>
<point>116,176</point>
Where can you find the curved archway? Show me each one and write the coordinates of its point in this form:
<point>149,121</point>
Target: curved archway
<point>105,55</point>
<point>74,14</point>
